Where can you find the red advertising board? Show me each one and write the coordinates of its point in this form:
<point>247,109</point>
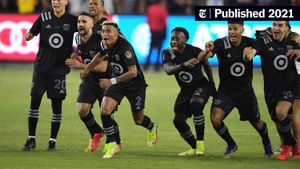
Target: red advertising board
<point>13,47</point>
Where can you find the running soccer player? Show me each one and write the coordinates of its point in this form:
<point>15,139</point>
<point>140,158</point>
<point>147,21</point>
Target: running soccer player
<point>56,29</point>
<point>280,80</point>
<point>181,61</point>
<point>235,88</point>
<point>128,80</point>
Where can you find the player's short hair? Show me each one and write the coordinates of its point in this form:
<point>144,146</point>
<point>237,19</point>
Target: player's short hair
<point>288,24</point>
<point>111,23</point>
<point>183,30</point>
<point>86,14</point>
<point>236,22</point>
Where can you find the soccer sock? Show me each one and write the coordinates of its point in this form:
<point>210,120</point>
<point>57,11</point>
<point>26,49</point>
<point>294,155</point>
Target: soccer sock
<point>147,123</point>
<point>56,117</point>
<point>186,133</point>
<point>117,132</point>
<point>263,132</point>
<point>199,120</point>
<point>223,131</point>
<point>33,115</point>
<point>284,127</point>
<point>91,124</point>
<point>108,127</point>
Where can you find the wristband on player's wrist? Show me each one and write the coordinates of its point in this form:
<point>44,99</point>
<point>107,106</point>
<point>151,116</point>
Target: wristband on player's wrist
<point>113,81</point>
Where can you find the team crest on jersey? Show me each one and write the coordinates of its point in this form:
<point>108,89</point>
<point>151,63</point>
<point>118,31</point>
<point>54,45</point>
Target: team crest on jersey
<point>92,53</point>
<point>128,54</point>
<point>66,27</point>
<point>117,57</point>
<point>289,47</point>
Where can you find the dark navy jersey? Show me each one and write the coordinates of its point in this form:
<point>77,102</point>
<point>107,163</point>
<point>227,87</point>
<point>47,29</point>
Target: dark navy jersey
<point>234,73</point>
<point>278,70</point>
<point>56,38</point>
<point>98,26</point>
<point>120,57</point>
<point>186,77</point>
<point>87,51</point>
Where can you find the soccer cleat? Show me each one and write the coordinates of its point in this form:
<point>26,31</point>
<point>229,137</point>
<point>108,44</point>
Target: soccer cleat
<point>51,145</point>
<point>268,150</point>
<point>200,148</point>
<point>285,153</point>
<point>88,147</point>
<point>112,149</point>
<point>152,136</point>
<point>230,150</point>
<point>30,144</point>
<point>190,152</point>
<point>277,151</point>
<point>296,151</point>
<point>95,141</point>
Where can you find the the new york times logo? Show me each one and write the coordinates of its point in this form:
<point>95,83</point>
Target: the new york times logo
<point>247,13</point>
<point>202,13</point>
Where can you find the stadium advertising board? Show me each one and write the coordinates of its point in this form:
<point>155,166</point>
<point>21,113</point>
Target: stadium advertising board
<point>13,47</point>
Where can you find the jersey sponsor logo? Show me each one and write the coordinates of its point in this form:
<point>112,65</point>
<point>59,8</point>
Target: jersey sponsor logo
<point>56,40</point>
<point>128,54</point>
<point>185,77</point>
<point>281,62</point>
<point>117,68</point>
<point>66,27</point>
<point>237,69</point>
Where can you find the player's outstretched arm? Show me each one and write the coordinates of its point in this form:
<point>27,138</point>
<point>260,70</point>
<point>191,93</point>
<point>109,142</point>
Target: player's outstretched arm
<point>130,74</point>
<point>171,69</point>
<point>96,60</point>
<point>204,55</point>
<point>28,36</point>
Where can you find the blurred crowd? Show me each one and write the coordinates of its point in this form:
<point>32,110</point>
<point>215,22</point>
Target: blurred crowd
<point>130,7</point>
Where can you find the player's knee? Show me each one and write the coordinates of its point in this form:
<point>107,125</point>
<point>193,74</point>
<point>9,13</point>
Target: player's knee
<point>137,121</point>
<point>105,111</point>
<point>280,113</point>
<point>83,112</point>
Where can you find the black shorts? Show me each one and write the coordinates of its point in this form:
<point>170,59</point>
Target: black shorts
<point>272,101</point>
<point>183,100</point>
<point>136,96</point>
<point>54,85</point>
<point>246,103</point>
<point>88,94</point>
<point>297,92</point>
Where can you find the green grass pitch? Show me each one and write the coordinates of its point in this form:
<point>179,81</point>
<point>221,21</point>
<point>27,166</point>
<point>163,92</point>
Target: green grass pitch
<point>73,137</point>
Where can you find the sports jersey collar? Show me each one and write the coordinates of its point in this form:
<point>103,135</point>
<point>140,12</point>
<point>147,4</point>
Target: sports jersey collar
<point>52,13</point>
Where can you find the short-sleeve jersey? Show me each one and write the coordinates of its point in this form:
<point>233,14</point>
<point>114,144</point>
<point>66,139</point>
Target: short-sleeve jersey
<point>56,38</point>
<point>87,51</point>
<point>186,77</point>
<point>279,71</point>
<point>120,57</point>
<point>234,73</point>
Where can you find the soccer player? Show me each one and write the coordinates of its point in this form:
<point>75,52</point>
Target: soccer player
<point>181,61</point>
<point>128,80</point>
<point>88,41</point>
<point>280,80</point>
<point>296,105</point>
<point>56,29</point>
<point>235,88</point>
